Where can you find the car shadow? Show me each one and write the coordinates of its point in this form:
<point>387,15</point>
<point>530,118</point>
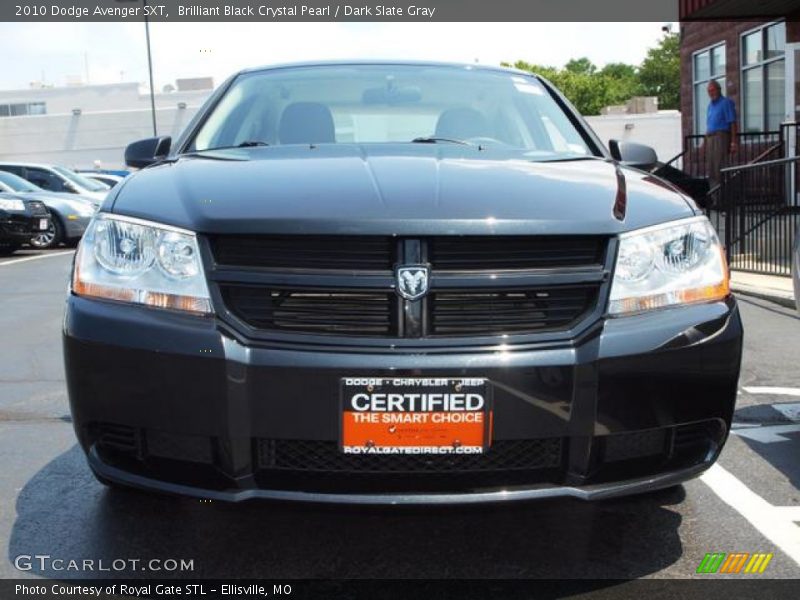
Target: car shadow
<point>773,438</point>
<point>62,512</point>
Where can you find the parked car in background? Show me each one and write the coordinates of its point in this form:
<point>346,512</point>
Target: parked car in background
<point>71,214</point>
<point>107,178</point>
<point>695,187</point>
<point>21,218</point>
<point>53,178</point>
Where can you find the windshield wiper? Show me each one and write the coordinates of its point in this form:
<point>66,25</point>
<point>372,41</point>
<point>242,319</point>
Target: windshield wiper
<point>245,144</point>
<point>568,158</point>
<point>436,140</point>
<point>202,153</point>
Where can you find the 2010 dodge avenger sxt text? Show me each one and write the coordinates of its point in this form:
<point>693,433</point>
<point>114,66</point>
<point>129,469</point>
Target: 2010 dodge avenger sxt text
<point>388,283</point>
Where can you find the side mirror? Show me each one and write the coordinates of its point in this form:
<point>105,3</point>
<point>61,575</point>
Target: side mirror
<point>70,187</point>
<point>145,152</point>
<point>633,154</point>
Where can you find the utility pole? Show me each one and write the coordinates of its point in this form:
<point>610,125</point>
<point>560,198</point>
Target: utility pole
<point>150,67</point>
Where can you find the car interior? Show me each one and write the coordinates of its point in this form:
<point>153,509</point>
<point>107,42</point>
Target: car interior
<point>279,109</point>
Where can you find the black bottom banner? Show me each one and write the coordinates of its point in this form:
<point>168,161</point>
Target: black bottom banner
<point>407,589</point>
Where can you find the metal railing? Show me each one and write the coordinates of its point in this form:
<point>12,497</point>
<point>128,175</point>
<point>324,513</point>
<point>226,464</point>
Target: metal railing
<point>752,145</point>
<point>757,215</point>
<point>754,208</point>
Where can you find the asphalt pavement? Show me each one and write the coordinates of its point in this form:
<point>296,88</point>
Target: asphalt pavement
<point>51,505</point>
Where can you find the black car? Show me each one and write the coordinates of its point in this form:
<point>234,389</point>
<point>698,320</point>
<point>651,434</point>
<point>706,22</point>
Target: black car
<point>20,220</point>
<point>398,283</point>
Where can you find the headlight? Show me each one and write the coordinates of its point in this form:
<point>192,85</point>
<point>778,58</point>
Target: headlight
<point>12,204</point>
<point>131,260</point>
<point>678,263</point>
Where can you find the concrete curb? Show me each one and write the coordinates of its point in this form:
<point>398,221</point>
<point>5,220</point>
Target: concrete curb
<point>776,296</point>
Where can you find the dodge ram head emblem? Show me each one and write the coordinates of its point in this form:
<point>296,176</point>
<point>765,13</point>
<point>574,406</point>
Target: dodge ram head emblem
<point>412,281</point>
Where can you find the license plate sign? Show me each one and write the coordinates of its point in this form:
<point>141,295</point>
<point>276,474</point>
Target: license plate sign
<point>43,224</point>
<point>402,415</point>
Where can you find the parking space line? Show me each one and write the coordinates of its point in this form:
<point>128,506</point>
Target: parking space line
<point>779,391</point>
<point>790,513</point>
<point>766,434</point>
<point>774,523</point>
<point>790,410</point>
<point>38,256</point>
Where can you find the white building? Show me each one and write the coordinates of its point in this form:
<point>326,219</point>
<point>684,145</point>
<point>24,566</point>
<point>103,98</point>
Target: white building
<point>77,125</point>
<point>660,130</point>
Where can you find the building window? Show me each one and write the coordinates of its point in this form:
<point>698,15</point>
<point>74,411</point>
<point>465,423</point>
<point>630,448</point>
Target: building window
<point>763,77</point>
<point>707,64</point>
<point>37,108</point>
<point>19,109</point>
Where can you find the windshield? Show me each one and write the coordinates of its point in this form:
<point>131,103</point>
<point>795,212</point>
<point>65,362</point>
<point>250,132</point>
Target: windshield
<point>366,104</point>
<point>17,183</point>
<point>84,182</point>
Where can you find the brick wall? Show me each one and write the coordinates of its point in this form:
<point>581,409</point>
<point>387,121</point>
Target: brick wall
<point>697,35</point>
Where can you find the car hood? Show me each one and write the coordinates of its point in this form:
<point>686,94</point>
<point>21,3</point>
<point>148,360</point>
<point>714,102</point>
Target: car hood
<point>406,189</point>
<point>53,199</point>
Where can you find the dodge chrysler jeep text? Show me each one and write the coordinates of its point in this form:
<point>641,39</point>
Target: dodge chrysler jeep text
<point>386,283</point>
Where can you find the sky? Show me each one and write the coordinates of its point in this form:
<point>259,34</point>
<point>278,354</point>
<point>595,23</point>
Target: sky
<point>112,52</point>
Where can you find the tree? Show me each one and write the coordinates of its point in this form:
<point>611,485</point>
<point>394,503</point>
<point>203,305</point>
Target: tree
<point>586,87</point>
<point>660,73</point>
<point>590,89</point>
<point>580,66</point>
<point>619,71</point>
<point>622,82</point>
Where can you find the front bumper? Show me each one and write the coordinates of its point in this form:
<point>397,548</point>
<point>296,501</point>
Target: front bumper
<point>177,403</point>
<point>18,228</point>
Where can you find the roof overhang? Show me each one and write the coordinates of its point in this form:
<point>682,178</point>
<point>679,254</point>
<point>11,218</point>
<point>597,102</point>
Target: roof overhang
<point>721,10</point>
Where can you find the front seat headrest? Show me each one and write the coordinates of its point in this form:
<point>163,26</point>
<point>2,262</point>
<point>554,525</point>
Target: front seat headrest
<point>306,123</point>
<point>462,123</point>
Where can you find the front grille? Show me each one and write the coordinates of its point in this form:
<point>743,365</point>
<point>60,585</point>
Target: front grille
<point>635,454</point>
<point>324,456</point>
<point>350,313</point>
<point>37,208</point>
<point>509,311</point>
<point>473,253</point>
<point>305,252</point>
<point>345,285</point>
<point>697,438</point>
<point>120,438</point>
<point>446,253</point>
<point>18,224</point>
<point>636,444</point>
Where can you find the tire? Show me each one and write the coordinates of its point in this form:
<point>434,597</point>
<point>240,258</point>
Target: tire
<point>50,238</point>
<point>8,248</point>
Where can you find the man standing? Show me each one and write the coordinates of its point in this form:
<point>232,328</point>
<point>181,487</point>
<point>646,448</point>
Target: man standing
<point>720,132</point>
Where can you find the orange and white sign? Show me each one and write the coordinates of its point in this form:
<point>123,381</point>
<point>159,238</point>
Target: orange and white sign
<point>415,415</point>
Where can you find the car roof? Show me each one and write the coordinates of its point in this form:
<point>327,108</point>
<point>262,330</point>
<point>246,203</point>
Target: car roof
<point>25,164</point>
<point>387,62</point>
